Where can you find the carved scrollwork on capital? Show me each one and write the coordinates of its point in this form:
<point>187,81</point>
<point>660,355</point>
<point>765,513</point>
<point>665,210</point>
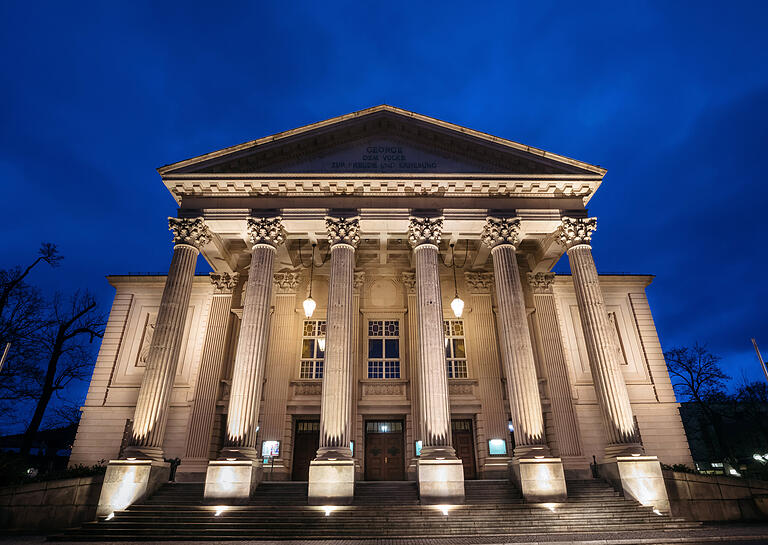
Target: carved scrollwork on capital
<point>286,281</point>
<point>358,281</point>
<point>497,231</point>
<point>224,283</point>
<point>575,231</point>
<point>409,281</point>
<point>266,231</point>
<point>425,231</point>
<point>343,230</point>
<point>190,231</point>
<point>541,283</point>
<point>479,282</point>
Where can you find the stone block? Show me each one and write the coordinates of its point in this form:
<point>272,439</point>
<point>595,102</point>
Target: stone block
<point>129,481</point>
<point>61,495</point>
<point>441,482</point>
<point>331,482</point>
<point>539,479</point>
<point>231,481</point>
<point>638,477</point>
<point>677,489</point>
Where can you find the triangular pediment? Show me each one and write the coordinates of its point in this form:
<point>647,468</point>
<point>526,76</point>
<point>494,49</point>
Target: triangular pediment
<point>381,140</point>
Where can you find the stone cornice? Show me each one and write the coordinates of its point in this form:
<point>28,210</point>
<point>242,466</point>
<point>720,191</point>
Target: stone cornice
<point>223,283</point>
<point>377,185</point>
<point>575,231</point>
<point>479,282</point>
<point>425,231</point>
<point>343,230</point>
<point>266,231</point>
<point>191,231</point>
<point>501,231</point>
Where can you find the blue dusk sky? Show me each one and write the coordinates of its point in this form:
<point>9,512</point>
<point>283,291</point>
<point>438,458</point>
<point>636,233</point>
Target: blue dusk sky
<point>670,97</point>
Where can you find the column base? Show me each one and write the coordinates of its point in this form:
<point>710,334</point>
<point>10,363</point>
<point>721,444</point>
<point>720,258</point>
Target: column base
<point>231,481</point>
<point>441,481</point>
<point>638,477</point>
<point>134,452</point>
<point>129,481</point>
<point>331,482</point>
<point>539,479</point>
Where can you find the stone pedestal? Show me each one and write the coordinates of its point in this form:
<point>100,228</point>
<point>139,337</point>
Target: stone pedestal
<point>539,479</point>
<point>639,478</point>
<point>231,481</point>
<point>441,481</point>
<point>331,482</point>
<point>129,481</point>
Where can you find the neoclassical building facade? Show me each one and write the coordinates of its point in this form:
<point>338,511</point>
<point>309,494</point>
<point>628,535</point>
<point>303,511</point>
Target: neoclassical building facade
<point>381,308</point>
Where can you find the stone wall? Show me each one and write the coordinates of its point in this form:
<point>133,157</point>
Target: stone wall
<point>716,498</point>
<point>50,505</point>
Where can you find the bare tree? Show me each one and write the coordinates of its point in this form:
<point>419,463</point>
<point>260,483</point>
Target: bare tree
<point>67,346</point>
<point>22,315</point>
<point>697,377</point>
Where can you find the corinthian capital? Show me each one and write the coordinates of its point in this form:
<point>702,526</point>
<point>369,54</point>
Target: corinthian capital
<point>286,281</point>
<point>574,231</point>
<point>479,282</point>
<point>224,283</point>
<point>409,281</point>
<point>541,282</point>
<point>266,231</point>
<point>191,231</point>
<point>497,231</point>
<point>343,230</point>
<point>425,231</point>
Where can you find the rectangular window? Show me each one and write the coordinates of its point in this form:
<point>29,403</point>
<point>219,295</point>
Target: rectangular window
<point>455,351</point>
<point>383,349</point>
<point>312,349</point>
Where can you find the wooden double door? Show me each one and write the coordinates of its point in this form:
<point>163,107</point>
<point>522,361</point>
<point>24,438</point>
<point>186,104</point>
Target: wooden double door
<point>464,444</point>
<point>306,441</point>
<point>384,451</point>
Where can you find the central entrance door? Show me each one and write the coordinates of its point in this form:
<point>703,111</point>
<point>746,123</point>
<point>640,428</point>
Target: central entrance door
<point>384,456</point>
<point>305,444</point>
<point>464,444</point>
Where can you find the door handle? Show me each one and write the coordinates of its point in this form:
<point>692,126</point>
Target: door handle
<point>385,459</point>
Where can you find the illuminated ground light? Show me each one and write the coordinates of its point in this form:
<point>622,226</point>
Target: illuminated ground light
<point>550,506</point>
<point>110,516</point>
<point>219,510</point>
<point>444,509</point>
<point>658,512</point>
<point>329,509</point>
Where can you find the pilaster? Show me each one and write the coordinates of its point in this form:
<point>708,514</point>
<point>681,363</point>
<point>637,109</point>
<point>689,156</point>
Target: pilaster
<point>203,411</point>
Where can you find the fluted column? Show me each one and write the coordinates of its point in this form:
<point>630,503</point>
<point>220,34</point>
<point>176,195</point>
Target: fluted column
<point>265,235</point>
<point>553,355</point>
<point>336,408</point>
<point>209,373</point>
<point>424,236</point>
<point>502,236</point>
<point>189,235</point>
<point>600,338</point>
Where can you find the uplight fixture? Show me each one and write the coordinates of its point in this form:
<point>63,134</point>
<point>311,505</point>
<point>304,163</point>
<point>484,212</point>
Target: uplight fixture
<point>309,304</point>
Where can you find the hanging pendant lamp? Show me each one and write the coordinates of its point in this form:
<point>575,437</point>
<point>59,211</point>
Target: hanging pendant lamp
<point>309,304</point>
<point>457,305</point>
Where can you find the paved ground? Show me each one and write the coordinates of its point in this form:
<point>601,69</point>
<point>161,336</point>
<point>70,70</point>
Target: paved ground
<point>737,534</point>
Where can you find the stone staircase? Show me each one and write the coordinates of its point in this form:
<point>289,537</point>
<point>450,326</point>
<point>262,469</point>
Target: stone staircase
<point>280,511</point>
